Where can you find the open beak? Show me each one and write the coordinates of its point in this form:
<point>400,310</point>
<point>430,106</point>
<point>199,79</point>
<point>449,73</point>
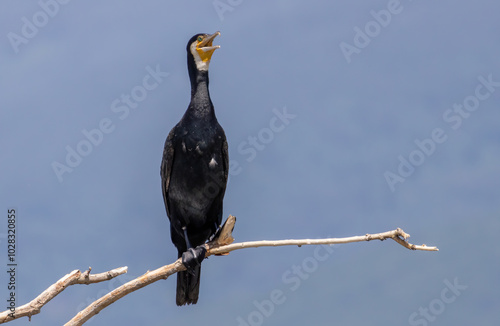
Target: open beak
<point>205,48</point>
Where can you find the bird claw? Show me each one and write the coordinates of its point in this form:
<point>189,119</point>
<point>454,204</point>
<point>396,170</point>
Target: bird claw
<point>193,257</point>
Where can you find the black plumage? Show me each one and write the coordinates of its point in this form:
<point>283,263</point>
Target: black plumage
<point>194,169</point>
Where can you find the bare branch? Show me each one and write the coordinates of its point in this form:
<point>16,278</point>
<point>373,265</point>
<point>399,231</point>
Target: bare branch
<point>397,235</point>
<point>150,277</point>
<point>221,245</point>
<point>75,277</point>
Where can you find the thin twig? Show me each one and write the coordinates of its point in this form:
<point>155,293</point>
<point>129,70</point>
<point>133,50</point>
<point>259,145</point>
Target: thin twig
<point>397,235</point>
<point>75,277</point>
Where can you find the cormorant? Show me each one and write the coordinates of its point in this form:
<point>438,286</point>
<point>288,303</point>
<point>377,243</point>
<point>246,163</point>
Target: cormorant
<point>194,172</point>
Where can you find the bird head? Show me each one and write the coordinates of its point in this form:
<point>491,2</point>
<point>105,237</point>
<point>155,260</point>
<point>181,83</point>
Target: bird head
<point>201,48</point>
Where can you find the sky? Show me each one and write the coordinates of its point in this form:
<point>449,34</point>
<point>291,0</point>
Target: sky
<point>343,118</point>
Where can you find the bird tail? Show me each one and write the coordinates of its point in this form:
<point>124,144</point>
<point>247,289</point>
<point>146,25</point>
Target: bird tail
<point>188,286</point>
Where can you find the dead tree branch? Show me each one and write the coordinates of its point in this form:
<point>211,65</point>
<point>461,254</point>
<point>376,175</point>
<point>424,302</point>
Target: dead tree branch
<point>397,235</point>
<point>75,277</point>
<point>221,245</point>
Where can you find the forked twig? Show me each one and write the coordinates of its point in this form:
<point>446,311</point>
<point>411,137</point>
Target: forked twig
<point>75,277</point>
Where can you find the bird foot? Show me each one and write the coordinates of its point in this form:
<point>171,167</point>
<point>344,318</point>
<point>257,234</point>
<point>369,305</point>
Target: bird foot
<point>193,257</point>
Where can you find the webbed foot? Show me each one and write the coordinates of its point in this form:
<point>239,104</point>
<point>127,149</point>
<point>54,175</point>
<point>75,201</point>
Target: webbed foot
<point>193,257</point>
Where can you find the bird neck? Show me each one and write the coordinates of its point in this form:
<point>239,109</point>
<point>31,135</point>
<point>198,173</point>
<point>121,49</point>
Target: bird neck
<point>201,105</point>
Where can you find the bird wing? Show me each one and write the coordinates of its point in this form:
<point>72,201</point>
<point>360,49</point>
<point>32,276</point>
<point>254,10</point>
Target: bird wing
<point>225,155</point>
<point>220,197</point>
<point>166,166</point>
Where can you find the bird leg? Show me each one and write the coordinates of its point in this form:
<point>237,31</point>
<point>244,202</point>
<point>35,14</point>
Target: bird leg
<point>188,244</point>
<point>216,233</point>
<point>192,257</point>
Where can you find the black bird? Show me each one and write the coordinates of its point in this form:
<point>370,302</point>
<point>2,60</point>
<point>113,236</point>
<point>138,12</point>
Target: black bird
<point>194,172</point>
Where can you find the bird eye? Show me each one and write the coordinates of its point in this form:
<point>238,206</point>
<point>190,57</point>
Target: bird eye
<point>200,38</point>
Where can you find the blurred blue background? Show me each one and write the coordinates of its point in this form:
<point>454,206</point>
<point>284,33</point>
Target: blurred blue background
<point>324,105</point>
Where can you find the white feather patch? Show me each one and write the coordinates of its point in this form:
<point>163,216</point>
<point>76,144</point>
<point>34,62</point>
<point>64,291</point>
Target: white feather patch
<point>200,64</point>
<point>212,163</point>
